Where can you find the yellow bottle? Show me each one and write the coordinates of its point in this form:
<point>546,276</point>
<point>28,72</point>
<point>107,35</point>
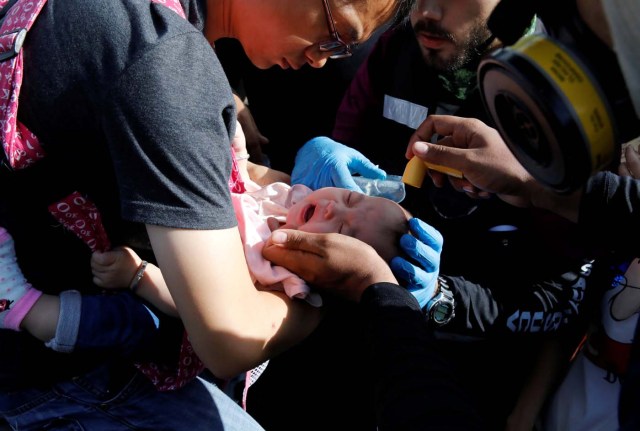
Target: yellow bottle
<point>416,170</point>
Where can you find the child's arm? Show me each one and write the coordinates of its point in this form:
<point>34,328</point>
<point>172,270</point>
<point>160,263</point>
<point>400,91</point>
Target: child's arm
<point>71,322</point>
<point>117,269</point>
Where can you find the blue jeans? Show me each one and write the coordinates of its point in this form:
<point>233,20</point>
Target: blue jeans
<point>93,402</point>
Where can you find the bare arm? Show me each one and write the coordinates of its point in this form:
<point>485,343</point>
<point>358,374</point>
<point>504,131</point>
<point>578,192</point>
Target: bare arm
<point>115,269</point>
<point>263,175</point>
<point>232,326</point>
<point>255,139</point>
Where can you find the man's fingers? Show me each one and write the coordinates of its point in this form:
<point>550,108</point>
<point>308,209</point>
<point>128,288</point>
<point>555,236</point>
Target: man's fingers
<point>285,247</point>
<point>441,155</point>
<point>446,126</point>
<point>443,125</point>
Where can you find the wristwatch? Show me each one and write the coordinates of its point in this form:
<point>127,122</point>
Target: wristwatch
<point>441,308</point>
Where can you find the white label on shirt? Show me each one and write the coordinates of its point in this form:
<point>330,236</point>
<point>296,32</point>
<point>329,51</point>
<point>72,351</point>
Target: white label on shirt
<point>403,111</point>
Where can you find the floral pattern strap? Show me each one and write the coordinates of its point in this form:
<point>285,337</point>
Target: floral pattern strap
<point>21,147</point>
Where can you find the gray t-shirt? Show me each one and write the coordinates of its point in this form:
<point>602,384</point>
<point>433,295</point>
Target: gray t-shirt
<point>135,112</point>
<point>141,83</point>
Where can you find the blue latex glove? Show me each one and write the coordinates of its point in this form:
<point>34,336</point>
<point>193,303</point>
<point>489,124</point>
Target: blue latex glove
<point>323,162</point>
<point>420,271</point>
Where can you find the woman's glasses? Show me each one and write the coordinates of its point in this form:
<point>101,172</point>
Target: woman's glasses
<point>336,46</point>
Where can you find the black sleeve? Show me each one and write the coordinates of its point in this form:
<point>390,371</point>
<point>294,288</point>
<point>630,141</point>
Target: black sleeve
<point>415,389</point>
<point>526,307</point>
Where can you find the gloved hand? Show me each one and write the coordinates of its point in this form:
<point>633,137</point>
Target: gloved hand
<point>323,162</point>
<point>420,271</point>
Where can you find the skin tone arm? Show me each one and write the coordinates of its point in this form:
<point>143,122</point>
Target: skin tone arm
<point>41,321</point>
<point>488,165</point>
<point>255,139</point>
<point>231,324</point>
<point>116,269</point>
<point>261,175</point>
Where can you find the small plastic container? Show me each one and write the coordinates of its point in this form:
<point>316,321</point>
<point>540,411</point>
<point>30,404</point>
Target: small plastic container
<point>391,188</point>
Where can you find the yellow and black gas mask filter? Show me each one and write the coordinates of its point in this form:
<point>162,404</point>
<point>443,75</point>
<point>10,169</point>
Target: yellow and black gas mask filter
<point>559,100</point>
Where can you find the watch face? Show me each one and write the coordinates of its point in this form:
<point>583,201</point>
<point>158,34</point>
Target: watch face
<point>442,312</point>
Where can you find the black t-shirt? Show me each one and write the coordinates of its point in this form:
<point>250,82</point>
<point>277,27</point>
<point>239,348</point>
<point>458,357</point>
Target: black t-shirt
<point>134,111</point>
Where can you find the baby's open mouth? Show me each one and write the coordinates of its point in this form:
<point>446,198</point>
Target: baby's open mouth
<point>308,213</point>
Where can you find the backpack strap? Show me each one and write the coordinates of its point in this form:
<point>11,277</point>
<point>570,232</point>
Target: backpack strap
<point>174,5</point>
<point>21,147</point>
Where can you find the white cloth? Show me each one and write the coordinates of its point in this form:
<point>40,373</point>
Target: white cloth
<point>587,399</point>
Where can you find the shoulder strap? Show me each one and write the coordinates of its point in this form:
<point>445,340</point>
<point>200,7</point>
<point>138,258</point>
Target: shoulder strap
<point>21,147</point>
<point>174,5</point>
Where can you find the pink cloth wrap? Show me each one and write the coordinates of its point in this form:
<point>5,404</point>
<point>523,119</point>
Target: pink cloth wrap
<point>253,208</point>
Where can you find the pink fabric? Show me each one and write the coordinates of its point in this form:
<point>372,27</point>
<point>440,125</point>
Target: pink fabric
<point>81,216</point>
<point>15,316</point>
<point>21,147</point>
<point>252,210</point>
<point>167,377</point>
<point>174,5</point>
<point>236,185</point>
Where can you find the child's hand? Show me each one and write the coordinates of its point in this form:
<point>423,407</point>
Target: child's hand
<point>114,269</point>
<point>239,146</point>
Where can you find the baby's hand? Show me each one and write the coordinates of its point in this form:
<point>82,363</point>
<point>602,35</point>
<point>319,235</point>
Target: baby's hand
<point>239,146</point>
<point>274,224</point>
<point>115,268</point>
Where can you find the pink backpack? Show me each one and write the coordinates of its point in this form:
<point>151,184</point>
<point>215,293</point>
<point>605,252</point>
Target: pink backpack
<point>77,213</point>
